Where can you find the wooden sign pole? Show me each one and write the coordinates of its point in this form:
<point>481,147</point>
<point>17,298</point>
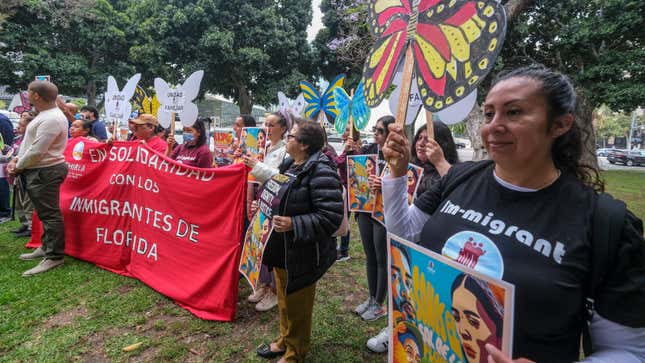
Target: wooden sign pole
<point>406,82</point>
<point>404,95</point>
<point>429,125</point>
<point>172,124</point>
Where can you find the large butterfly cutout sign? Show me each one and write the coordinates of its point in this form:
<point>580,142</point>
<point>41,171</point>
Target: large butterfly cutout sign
<point>354,107</point>
<point>325,103</point>
<point>454,45</point>
<point>117,102</point>
<point>178,100</point>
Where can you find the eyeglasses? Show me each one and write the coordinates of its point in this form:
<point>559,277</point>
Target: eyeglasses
<point>378,130</point>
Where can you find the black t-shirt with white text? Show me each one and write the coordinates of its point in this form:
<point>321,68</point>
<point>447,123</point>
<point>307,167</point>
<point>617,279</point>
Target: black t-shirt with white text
<point>540,242</point>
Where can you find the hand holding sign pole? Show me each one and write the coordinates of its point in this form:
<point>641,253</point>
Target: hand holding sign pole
<point>449,45</point>
<point>178,101</point>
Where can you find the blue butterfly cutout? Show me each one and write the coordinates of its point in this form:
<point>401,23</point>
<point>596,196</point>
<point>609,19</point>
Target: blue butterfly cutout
<point>326,103</point>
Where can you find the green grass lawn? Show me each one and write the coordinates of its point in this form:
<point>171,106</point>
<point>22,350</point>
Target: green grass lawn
<point>82,313</point>
<point>628,186</point>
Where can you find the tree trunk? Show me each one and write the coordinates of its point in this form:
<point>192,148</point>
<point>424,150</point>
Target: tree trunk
<point>244,101</point>
<point>90,92</point>
<point>584,115</point>
<point>474,124</point>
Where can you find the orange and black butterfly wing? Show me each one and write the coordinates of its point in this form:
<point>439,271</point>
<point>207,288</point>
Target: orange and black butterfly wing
<point>455,46</point>
<point>388,21</point>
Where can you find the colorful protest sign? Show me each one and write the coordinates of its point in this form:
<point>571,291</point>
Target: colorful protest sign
<point>224,145</point>
<point>351,107</point>
<point>253,142</point>
<point>321,108</point>
<point>442,311</point>
<point>359,169</point>
<point>415,173</point>
<point>259,231</point>
<point>117,102</point>
<point>137,213</point>
<point>178,100</point>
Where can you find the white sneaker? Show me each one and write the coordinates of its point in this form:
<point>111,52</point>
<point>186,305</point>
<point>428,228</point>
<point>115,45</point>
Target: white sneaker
<point>268,302</point>
<point>374,311</point>
<point>44,265</point>
<point>378,343</point>
<point>259,293</point>
<point>37,254</point>
<point>362,308</point>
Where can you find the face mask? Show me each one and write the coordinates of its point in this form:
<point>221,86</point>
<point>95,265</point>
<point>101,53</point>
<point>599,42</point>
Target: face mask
<point>188,137</point>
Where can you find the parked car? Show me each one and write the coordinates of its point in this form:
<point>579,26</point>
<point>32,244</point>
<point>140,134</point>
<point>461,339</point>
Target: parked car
<point>604,151</point>
<point>629,158</point>
<point>635,157</point>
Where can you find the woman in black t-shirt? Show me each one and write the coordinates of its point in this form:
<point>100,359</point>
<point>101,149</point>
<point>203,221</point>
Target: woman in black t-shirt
<point>530,212</point>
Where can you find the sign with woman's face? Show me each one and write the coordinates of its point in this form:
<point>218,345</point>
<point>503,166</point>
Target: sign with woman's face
<point>440,307</point>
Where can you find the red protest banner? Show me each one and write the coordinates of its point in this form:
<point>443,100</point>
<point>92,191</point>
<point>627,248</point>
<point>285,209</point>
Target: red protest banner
<point>176,228</point>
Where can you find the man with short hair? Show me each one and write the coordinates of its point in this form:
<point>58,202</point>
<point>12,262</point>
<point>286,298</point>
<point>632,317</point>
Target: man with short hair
<point>41,163</point>
<point>98,126</point>
<point>144,129</point>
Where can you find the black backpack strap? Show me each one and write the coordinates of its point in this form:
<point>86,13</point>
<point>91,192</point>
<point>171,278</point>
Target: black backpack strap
<point>454,183</point>
<point>608,219</point>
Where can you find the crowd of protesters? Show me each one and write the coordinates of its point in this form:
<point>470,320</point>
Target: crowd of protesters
<point>535,178</point>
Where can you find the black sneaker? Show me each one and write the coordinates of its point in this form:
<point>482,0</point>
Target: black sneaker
<point>20,230</point>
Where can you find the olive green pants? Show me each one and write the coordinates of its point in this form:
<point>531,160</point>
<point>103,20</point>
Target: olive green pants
<point>43,188</point>
<point>295,310</point>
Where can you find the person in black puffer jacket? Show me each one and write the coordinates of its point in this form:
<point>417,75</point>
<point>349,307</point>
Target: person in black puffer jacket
<point>301,247</point>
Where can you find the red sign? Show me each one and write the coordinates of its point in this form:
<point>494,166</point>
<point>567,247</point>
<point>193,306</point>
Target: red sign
<point>176,228</point>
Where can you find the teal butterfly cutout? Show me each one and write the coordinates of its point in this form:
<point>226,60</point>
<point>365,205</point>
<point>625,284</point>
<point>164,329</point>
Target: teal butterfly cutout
<point>355,107</point>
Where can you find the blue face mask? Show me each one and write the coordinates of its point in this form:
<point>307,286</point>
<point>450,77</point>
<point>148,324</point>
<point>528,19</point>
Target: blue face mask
<point>188,137</point>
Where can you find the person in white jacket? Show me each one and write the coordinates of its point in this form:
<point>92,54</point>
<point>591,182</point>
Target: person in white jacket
<point>277,126</point>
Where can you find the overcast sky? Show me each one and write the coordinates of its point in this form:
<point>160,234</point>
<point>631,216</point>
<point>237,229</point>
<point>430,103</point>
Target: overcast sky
<point>316,23</point>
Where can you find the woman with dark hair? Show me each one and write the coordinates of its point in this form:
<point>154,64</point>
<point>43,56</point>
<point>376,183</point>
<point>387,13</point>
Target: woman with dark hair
<point>479,316</point>
<point>373,236</point>
<point>537,214</point>
<point>193,151</point>
<point>82,128</point>
<point>277,126</point>
<point>301,248</point>
<point>435,156</point>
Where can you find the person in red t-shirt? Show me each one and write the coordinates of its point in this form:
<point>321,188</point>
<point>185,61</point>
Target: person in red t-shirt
<point>144,130</point>
<point>193,151</point>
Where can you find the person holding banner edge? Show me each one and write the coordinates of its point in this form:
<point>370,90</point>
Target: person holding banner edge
<point>194,151</point>
<point>536,185</point>
<point>301,248</point>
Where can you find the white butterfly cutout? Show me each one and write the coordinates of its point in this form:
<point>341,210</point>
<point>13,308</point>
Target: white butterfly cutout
<point>292,107</point>
<point>178,100</point>
<point>117,103</point>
